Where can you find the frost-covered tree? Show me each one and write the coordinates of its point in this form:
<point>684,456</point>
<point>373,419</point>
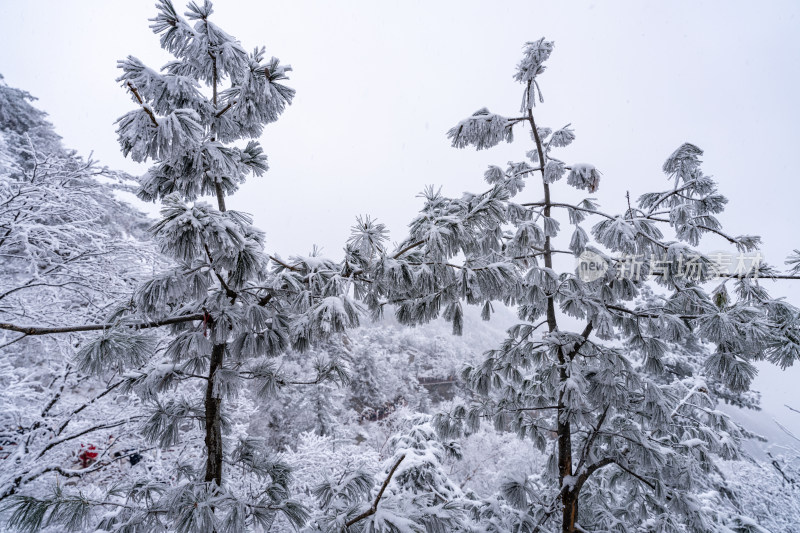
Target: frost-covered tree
<point>616,383</point>
<point>68,251</point>
<point>227,305</point>
<point>25,130</point>
<point>64,238</point>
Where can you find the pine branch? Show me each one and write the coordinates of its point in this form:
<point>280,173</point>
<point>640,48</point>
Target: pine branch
<point>230,293</point>
<point>568,206</point>
<point>590,441</point>
<point>396,255</point>
<point>57,396</point>
<point>591,469</point>
<point>407,249</point>
<point>587,331</point>
<point>652,314</point>
<point>706,228</point>
<point>774,462</point>
<point>634,474</point>
<point>224,109</point>
<point>36,330</point>
<point>141,103</point>
<point>374,508</point>
<point>755,275</point>
<point>666,195</point>
<point>285,265</point>
<point>42,284</point>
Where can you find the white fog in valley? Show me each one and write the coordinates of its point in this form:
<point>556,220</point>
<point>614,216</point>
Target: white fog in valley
<point>378,86</point>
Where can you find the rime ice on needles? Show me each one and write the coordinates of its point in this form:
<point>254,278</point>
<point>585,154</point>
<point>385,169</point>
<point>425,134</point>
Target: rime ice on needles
<point>483,129</point>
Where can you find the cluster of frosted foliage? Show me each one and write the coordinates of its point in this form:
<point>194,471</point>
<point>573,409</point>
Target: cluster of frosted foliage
<point>483,129</point>
<point>616,384</point>
<point>532,65</point>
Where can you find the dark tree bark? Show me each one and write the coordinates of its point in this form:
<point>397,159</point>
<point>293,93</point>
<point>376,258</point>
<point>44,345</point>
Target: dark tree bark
<point>213,402</point>
<point>213,419</point>
<point>569,516</point>
<point>569,496</point>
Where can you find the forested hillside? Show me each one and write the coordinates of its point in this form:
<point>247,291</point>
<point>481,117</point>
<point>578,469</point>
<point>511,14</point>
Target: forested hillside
<point>70,252</point>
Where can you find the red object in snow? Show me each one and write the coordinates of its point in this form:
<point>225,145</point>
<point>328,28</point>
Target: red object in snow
<point>87,455</point>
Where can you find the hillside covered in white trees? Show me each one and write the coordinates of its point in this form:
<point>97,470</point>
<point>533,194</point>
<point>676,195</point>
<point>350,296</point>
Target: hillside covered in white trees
<point>520,360</point>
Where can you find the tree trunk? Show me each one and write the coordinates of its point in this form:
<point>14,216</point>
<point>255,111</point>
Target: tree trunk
<point>569,498</point>
<point>213,405</point>
<point>570,511</point>
<point>213,416</point>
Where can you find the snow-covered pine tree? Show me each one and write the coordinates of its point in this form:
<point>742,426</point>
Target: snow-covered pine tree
<point>630,447</point>
<point>228,306</point>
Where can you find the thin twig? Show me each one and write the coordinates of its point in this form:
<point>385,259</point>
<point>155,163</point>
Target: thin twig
<point>9,343</point>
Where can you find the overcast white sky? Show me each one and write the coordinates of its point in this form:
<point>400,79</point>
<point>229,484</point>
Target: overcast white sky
<point>379,83</point>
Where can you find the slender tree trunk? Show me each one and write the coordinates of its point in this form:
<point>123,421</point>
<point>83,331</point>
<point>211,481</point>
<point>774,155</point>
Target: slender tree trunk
<point>213,415</point>
<point>569,497</point>
<point>213,402</point>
